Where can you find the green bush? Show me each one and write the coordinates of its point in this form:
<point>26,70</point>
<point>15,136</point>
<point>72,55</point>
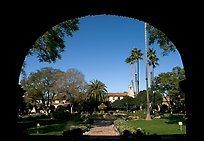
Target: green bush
<point>141,114</point>
<point>61,113</point>
<point>122,127</point>
<point>102,106</point>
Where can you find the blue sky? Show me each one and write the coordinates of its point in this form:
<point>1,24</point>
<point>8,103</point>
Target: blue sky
<point>99,49</point>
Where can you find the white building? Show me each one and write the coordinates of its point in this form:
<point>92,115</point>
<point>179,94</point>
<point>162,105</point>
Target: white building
<point>113,96</point>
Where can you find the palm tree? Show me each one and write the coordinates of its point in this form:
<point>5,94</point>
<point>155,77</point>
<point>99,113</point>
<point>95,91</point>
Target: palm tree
<point>130,61</point>
<point>136,55</point>
<point>153,61</point>
<point>97,92</point>
<point>148,117</point>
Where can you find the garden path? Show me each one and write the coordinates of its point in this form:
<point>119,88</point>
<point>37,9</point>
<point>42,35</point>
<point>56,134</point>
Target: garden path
<point>103,128</point>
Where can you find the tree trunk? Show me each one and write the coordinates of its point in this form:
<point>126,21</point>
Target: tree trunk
<point>136,79</point>
<point>130,72</point>
<point>151,81</point>
<point>148,117</point>
<point>132,83</point>
<point>138,90</point>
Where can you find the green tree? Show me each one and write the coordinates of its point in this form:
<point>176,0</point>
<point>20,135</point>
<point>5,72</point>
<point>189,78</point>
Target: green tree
<point>142,98</point>
<point>168,85</point>
<point>136,55</point>
<point>126,103</point>
<point>178,94</point>
<point>158,36</point>
<point>155,35</point>
<point>38,86</point>
<point>97,92</point>
<point>153,61</point>
<point>50,45</point>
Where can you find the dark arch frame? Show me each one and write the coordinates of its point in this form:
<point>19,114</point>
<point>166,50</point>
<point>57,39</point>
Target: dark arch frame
<point>31,25</point>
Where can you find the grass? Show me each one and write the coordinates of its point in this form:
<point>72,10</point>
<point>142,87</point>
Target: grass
<point>154,126</point>
<point>168,125</point>
<point>52,126</point>
<point>53,129</point>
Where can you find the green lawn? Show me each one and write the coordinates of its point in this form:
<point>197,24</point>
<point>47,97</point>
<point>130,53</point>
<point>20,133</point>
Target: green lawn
<point>53,129</point>
<point>154,126</point>
<point>51,126</point>
<point>162,126</point>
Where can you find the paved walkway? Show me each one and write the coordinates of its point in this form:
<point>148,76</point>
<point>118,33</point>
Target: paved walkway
<point>102,128</point>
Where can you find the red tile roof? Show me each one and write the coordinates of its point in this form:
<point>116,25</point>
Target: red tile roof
<point>118,94</point>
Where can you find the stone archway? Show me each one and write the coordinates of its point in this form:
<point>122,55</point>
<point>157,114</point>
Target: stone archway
<point>32,26</point>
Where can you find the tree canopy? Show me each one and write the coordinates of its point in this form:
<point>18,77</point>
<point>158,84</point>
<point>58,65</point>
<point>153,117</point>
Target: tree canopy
<point>97,92</point>
<point>155,35</point>
<point>168,85</point>
<point>49,46</point>
<point>42,86</point>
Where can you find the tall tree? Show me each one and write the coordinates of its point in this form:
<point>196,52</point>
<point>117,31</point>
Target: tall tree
<point>136,55</point>
<point>155,35</point>
<point>97,92</point>
<point>148,117</point>
<point>153,61</point>
<point>129,60</point>
<point>164,42</point>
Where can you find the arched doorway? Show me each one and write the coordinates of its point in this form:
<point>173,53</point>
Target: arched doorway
<point>39,23</point>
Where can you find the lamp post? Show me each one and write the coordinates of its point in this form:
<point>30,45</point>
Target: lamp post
<point>38,125</point>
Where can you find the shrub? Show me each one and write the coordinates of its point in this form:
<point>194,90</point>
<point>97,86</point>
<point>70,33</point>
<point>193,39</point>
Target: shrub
<point>61,113</point>
<point>140,114</point>
<point>122,127</point>
<point>74,133</point>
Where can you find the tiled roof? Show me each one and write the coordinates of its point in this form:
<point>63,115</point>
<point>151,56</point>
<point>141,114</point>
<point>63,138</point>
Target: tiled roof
<point>118,94</point>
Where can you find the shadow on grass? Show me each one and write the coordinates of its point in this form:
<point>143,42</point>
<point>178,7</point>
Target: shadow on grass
<point>34,122</point>
<point>174,119</point>
<point>48,128</point>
